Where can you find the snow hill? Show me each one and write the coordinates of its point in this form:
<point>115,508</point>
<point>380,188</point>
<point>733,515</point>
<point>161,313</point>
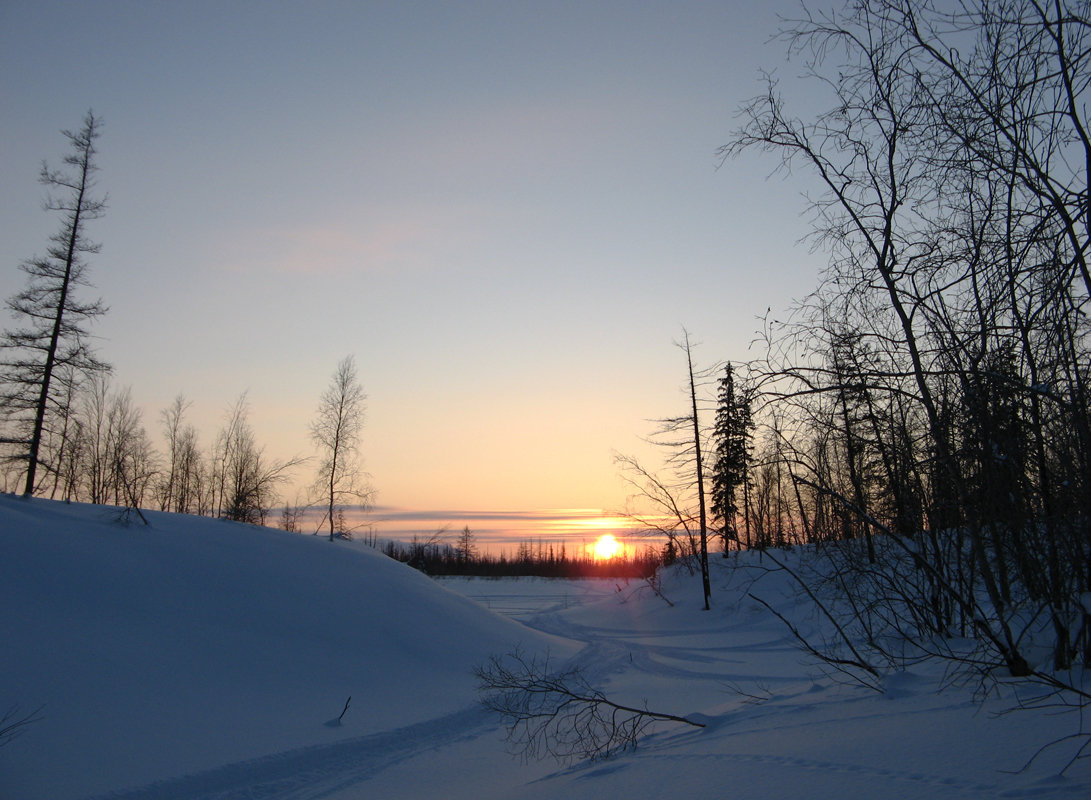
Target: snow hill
<point>195,658</point>
<point>191,643</point>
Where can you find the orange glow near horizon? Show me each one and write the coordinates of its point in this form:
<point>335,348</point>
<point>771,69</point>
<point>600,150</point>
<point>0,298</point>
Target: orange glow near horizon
<point>579,530</point>
<point>607,547</point>
<point>583,521</point>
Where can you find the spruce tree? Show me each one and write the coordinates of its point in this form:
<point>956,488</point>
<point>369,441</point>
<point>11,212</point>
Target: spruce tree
<point>731,451</point>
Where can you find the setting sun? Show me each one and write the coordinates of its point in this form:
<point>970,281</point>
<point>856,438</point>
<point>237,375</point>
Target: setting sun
<point>606,547</point>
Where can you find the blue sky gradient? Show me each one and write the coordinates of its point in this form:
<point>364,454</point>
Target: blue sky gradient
<point>507,211</point>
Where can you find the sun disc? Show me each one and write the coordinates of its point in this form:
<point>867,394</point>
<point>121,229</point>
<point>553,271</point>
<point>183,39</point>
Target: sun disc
<point>606,547</point>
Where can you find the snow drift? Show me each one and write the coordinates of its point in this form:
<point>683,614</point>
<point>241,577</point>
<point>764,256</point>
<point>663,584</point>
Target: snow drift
<point>176,647</point>
<point>201,660</point>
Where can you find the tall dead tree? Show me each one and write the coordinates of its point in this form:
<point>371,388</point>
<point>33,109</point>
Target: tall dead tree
<point>699,468</point>
<point>678,502</point>
<point>54,334</point>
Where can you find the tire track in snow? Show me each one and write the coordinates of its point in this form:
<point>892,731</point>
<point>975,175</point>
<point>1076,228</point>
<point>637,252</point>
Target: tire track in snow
<point>319,771</point>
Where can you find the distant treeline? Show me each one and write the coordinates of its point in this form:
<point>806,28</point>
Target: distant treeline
<point>544,561</point>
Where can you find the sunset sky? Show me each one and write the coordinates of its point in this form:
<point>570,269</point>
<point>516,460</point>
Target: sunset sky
<point>506,211</point>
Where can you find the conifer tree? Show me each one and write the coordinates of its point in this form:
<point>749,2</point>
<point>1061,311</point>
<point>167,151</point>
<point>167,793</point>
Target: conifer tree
<point>467,546</point>
<point>53,336</point>
<point>731,450</point>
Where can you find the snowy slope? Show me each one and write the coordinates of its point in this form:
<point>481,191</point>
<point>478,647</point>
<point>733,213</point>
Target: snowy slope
<point>198,659</point>
<point>779,726</point>
<point>166,650</point>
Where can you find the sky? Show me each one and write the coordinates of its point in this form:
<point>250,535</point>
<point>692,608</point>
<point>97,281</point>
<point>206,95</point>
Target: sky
<point>506,211</point>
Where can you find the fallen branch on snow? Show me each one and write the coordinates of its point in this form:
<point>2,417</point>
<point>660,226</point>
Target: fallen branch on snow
<point>560,715</point>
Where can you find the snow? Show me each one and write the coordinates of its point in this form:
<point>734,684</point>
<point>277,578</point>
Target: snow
<point>195,658</point>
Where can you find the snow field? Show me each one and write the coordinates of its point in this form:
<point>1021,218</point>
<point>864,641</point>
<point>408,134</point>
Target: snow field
<point>200,659</point>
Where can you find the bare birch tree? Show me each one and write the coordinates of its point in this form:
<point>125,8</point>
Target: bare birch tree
<point>247,480</point>
<point>336,433</point>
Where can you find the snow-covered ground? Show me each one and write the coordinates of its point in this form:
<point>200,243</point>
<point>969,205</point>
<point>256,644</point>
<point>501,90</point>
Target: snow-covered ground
<point>200,659</point>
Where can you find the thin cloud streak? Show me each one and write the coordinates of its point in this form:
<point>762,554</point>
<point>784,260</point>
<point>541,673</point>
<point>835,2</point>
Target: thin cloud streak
<point>495,531</point>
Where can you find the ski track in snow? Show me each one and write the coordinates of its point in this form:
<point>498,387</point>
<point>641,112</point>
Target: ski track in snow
<point>312,773</point>
<point>927,783</point>
<point>322,771</point>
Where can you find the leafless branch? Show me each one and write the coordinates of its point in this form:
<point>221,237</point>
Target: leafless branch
<point>559,714</point>
<point>14,723</point>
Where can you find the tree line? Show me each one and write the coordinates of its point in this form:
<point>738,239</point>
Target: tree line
<point>100,451</point>
<point>67,433</point>
<point>935,387</point>
<point>922,418</point>
<point>435,556</point>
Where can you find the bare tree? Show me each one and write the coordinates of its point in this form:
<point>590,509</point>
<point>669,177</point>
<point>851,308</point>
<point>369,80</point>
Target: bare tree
<point>699,470</point>
<point>183,480</point>
<point>61,436</point>
<point>939,377</point>
<point>173,427</point>
<point>336,433</point>
<point>55,334</point>
<point>559,714</point>
<point>291,516</point>
<point>247,481</point>
<point>117,458</point>
<point>669,514</point>
<point>678,503</point>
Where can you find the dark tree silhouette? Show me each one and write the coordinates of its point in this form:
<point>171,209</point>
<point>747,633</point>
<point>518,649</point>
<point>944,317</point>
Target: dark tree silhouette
<point>699,468</point>
<point>731,452</point>
<point>936,386</point>
<point>54,336</point>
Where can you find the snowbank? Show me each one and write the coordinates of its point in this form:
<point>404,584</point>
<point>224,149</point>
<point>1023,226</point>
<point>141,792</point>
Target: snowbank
<point>196,659</point>
<point>165,650</point>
